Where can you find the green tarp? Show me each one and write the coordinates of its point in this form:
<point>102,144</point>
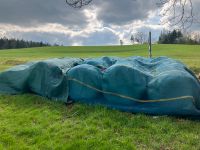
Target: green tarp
<point>158,86</point>
<point>46,78</point>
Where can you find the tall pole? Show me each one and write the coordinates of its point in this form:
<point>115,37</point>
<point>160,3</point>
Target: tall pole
<point>150,46</point>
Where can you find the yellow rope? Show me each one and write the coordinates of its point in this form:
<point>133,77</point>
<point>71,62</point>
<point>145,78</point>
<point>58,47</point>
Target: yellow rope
<point>130,98</point>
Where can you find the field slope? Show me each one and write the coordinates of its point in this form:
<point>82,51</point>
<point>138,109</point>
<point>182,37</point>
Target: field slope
<point>33,122</point>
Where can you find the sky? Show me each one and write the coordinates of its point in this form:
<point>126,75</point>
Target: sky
<point>103,22</point>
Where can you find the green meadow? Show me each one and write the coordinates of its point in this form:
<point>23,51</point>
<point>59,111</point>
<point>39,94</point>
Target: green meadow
<point>33,122</point>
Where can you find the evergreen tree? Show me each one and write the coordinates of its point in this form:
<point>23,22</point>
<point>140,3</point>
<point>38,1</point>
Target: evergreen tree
<point>6,43</point>
<point>176,37</point>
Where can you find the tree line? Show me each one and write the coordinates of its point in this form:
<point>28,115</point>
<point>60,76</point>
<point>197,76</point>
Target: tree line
<point>177,37</point>
<point>166,37</point>
<point>6,43</point>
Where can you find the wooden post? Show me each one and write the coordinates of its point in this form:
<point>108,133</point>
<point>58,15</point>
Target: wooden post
<point>150,46</point>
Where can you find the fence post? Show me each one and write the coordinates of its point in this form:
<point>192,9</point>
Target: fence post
<point>150,46</point>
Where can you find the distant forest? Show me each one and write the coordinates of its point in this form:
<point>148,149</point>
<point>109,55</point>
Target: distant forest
<point>6,43</point>
<point>177,37</point>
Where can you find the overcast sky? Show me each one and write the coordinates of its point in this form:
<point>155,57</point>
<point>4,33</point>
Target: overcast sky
<point>103,22</point>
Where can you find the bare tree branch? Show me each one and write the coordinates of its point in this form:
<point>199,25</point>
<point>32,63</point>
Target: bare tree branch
<point>177,13</point>
<point>78,3</point>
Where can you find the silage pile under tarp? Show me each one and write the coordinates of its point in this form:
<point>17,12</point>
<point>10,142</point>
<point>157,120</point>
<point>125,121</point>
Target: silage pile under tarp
<point>159,86</point>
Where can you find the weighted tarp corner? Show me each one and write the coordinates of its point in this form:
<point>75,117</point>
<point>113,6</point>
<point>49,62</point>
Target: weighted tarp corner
<point>158,86</point>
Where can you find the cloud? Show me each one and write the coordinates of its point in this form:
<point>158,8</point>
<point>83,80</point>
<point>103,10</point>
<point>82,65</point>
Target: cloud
<point>122,12</point>
<point>103,22</point>
<point>34,12</point>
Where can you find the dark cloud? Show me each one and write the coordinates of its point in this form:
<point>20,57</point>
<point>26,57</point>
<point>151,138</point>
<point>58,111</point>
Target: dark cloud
<point>33,12</point>
<point>123,11</point>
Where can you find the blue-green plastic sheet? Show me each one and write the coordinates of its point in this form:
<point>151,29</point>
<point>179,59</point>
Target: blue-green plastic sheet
<point>157,86</point>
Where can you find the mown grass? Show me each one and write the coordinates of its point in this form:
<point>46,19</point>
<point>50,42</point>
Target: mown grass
<point>188,54</point>
<point>33,122</point>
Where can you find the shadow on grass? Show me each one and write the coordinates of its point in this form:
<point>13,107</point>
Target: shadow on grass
<point>25,101</point>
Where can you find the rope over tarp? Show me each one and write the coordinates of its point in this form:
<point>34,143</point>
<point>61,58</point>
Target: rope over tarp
<point>131,98</point>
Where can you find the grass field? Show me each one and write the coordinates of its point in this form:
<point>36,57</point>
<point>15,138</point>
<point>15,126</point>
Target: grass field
<point>33,122</point>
